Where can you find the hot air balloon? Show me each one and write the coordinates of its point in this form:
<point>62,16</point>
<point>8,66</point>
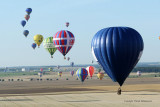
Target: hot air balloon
<point>90,70</point>
<point>27,17</point>
<point>28,11</point>
<point>82,74</point>
<point>68,58</point>
<point>38,39</point>
<point>23,23</point>
<point>100,75</point>
<point>25,32</point>
<point>92,62</point>
<point>40,74</point>
<point>49,46</point>
<point>67,24</point>
<point>50,69</point>
<point>72,73</point>
<point>72,64</point>
<point>34,45</point>
<point>159,37</point>
<point>58,66</point>
<point>60,74</point>
<point>117,50</point>
<point>41,69</point>
<point>63,41</point>
<point>139,73</point>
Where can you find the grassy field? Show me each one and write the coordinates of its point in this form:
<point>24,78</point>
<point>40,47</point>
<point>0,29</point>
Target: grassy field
<point>132,75</point>
<point>136,92</point>
<point>10,74</point>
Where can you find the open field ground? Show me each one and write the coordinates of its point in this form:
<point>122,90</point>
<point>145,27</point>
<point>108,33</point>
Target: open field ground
<point>137,92</point>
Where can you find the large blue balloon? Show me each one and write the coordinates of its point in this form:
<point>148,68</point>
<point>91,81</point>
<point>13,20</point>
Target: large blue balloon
<point>28,10</point>
<point>25,32</point>
<point>117,50</point>
<point>23,23</point>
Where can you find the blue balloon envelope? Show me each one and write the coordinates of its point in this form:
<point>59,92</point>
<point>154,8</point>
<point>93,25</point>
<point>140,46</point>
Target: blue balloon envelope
<point>28,11</point>
<point>23,23</point>
<point>34,45</point>
<point>117,50</point>
<point>26,32</point>
<point>82,73</point>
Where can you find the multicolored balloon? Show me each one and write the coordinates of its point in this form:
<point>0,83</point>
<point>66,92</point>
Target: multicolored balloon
<point>28,11</point>
<point>40,74</point>
<point>50,69</point>
<point>82,74</point>
<point>67,24</point>
<point>60,74</point>
<point>49,46</point>
<point>34,45</point>
<point>100,75</point>
<point>25,32</point>
<point>38,39</point>
<point>63,41</point>
<point>90,70</point>
<point>72,73</point>
<point>117,50</point>
<point>27,17</point>
<point>23,23</point>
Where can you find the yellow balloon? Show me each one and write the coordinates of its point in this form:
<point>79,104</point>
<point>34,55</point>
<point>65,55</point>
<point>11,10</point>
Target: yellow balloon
<point>100,75</point>
<point>38,39</point>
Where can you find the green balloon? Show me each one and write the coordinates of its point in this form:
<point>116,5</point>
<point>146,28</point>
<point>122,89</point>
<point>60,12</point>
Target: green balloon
<point>49,46</point>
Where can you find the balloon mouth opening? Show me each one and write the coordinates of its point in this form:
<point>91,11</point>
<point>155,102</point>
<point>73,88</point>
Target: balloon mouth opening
<point>51,56</point>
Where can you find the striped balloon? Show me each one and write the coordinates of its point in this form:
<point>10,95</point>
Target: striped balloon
<point>60,74</point>
<point>49,46</point>
<point>50,69</point>
<point>82,73</point>
<point>63,41</point>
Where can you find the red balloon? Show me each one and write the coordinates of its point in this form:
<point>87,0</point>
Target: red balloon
<point>90,70</point>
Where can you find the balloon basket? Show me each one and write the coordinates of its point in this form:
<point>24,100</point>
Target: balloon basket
<point>119,91</point>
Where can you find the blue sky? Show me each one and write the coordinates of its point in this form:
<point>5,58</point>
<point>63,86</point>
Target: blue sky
<point>86,17</point>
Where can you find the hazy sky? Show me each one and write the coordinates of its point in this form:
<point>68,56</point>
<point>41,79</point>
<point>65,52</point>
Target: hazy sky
<point>86,17</point>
